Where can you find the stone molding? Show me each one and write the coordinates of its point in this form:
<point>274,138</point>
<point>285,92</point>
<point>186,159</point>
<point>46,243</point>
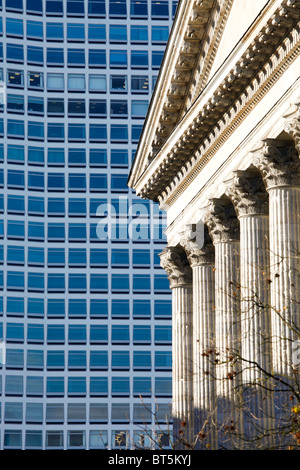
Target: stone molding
<point>205,17</point>
<point>278,163</point>
<point>207,55</point>
<point>213,125</point>
<point>248,194</point>
<point>174,261</point>
<point>222,222</point>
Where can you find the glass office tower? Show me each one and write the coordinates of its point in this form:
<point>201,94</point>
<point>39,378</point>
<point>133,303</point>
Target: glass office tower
<point>85,319</point>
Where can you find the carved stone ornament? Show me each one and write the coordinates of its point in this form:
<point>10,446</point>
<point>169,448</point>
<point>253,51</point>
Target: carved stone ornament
<point>293,129</point>
<point>174,261</point>
<point>248,195</point>
<point>279,164</point>
<point>198,255</point>
<point>250,78</point>
<point>222,222</point>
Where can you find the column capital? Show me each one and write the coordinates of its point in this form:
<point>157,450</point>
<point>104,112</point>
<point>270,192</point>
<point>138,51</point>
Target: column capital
<point>221,221</point>
<point>197,255</point>
<point>279,164</point>
<point>174,261</point>
<point>248,194</point>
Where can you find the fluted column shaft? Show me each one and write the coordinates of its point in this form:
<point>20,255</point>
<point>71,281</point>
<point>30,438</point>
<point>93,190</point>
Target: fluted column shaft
<point>255,314</point>
<point>224,230</point>
<point>279,164</point>
<point>200,254</point>
<point>227,312</point>
<point>255,321</point>
<point>174,261</point>
<point>256,349</point>
<point>250,200</point>
<point>182,385</point>
<point>204,347</point>
<point>285,273</point>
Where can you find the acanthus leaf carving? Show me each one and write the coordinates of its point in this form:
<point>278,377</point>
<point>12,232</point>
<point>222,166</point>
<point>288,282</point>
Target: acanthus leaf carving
<point>222,222</point>
<point>248,195</point>
<point>197,253</point>
<point>293,129</point>
<point>278,163</point>
<point>174,261</point>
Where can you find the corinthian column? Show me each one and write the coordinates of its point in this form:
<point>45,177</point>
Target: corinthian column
<point>223,227</point>
<point>280,168</point>
<point>250,200</point>
<point>201,259</point>
<point>175,263</point>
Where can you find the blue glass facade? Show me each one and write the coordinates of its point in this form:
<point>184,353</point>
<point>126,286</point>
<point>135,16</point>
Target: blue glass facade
<point>84,335</point>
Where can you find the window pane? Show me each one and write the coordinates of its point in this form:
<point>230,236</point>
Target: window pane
<point>96,7</point>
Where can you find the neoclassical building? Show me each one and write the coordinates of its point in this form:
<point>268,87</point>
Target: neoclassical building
<point>220,152</point>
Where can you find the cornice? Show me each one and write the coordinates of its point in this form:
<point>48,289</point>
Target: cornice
<point>273,49</point>
<point>207,55</point>
<point>204,17</point>
<point>187,40</point>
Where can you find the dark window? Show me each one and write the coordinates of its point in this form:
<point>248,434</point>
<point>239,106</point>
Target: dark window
<point>98,157</point>
<point>75,8</point>
<point>97,58</point>
<point>76,57</point>
<point>98,133</point>
<point>14,53</point>
<point>117,33</point>
<point>35,6</point>
<point>35,105</point>
<point>138,8</point>
<point>54,7</point>
<point>139,59</point>
<point>159,9</point>
<point>35,30</point>
<point>14,27</point>
<point>139,34</point>
<point>35,80</point>
<point>76,107</point>
<point>97,33</point>
<point>117,8</point>
<point>35,55</point>
<point>55,107</point>
<point>118,83</point>
<point>118,58</point>
<point>118,108</point>
<point>54,32</point>
<point>97,108</point>
<point>14,5</point>
<point>15,78</point>
<point>96,8</point>
<point>75,32</point>
<point>55,56</point>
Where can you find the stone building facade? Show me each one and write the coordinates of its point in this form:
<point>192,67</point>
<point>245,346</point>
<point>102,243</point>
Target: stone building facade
<point>220,152</point>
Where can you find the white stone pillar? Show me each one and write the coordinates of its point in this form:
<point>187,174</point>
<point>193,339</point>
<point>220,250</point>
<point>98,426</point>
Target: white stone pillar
<point>223,227</point>
<point>201,259</point>
<point>280,167</point>
<point>174,261</point>
<point>250,201</point>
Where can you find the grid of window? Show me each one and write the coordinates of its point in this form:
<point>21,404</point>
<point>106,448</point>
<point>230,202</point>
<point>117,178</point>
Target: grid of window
<point>85,318</point>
